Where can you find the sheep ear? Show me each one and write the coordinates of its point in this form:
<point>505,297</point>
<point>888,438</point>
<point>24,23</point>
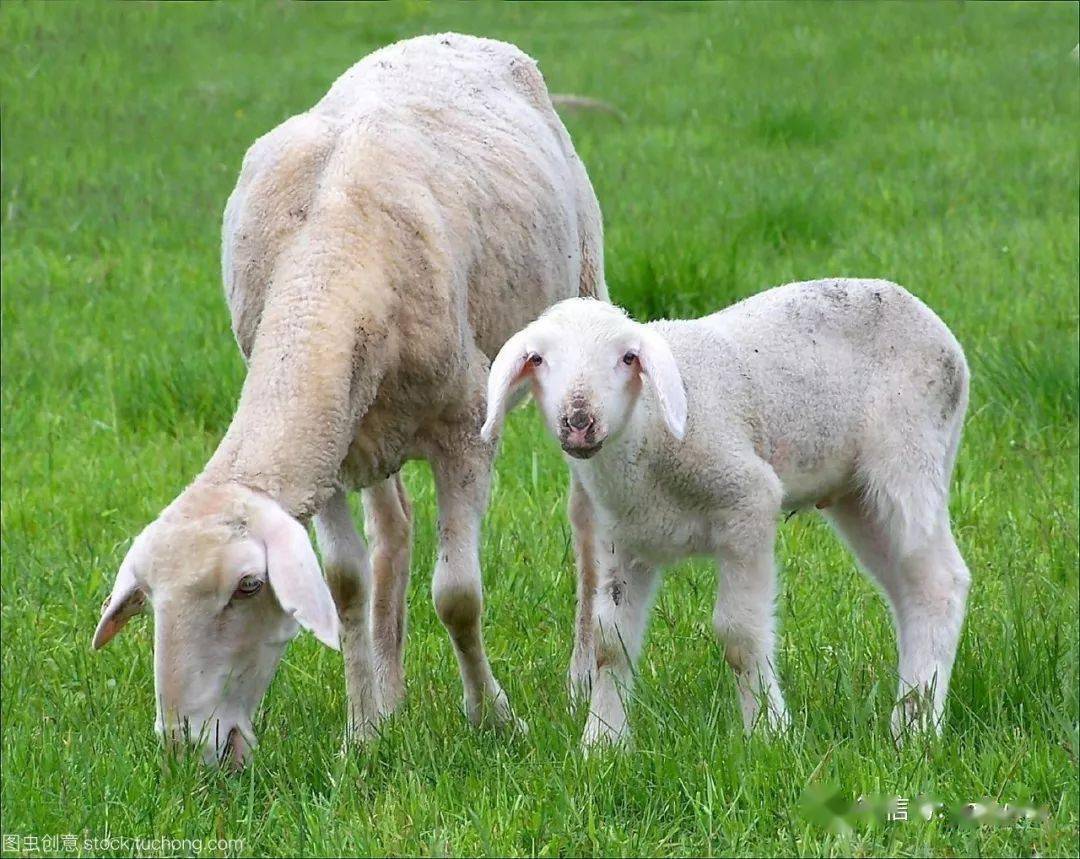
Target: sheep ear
<point>294,574</point>
<point>507,373</point>
<point>126,600</point>
<point>659,367</point>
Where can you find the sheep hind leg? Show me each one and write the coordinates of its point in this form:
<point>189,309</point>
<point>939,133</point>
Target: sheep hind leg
<point>388,523</point>
<point>348,574</point>
<point>926,582</point>
<point>461,486</point>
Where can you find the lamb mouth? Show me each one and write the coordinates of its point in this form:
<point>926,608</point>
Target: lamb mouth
<point>584,452</point>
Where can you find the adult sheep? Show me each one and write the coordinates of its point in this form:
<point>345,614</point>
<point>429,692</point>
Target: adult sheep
<point>377,252</point>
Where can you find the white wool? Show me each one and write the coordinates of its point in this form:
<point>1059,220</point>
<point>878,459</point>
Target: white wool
<point>692,437</point>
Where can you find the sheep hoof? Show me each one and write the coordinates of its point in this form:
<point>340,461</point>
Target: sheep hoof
<point>778,721</point>
<point>494,713</point>
<point>358,733</point>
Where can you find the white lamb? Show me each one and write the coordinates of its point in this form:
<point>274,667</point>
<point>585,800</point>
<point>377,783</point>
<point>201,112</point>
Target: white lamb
<point>691,437</point>
<point>377,251</point>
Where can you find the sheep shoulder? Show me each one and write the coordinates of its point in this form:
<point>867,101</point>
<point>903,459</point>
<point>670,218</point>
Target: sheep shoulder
<point>446,151</point>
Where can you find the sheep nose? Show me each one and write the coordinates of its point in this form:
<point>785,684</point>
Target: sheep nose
<point>580,420</point>
<point>236,752</point>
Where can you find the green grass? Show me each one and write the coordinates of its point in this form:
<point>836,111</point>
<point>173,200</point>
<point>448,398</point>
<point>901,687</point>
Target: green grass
<point>933,144</point>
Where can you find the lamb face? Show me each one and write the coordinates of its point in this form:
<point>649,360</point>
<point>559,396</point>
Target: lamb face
<point>230,578</point>
<point>587,363</point>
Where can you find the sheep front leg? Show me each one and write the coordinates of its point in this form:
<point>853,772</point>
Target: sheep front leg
<point>348,573</point>
<point>623,601</point>
<point>388,522</point>
<point>461,488</point>
<point>583,659</point>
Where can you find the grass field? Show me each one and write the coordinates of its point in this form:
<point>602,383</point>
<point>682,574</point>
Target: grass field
<point>935,145</point>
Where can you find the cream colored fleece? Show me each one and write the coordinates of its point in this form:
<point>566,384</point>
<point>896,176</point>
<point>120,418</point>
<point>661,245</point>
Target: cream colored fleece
<point>380,248</point>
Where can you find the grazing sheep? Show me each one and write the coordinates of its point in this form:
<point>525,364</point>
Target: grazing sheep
<point>377,251</point>
<point>848,395</point>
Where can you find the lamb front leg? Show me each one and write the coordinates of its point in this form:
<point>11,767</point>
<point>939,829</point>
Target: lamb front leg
<point>583,659</point>
<point>623,601</point>
<point>745,617</point>
<point>348,573</point>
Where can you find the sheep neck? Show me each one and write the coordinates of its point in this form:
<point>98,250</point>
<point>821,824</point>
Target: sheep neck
<point>316,363</point>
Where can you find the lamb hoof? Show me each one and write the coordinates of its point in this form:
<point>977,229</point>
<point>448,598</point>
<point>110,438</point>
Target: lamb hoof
<point>912,718</point>
<point>579,685</point>
<point>778,721</point>
<point>599,736</point>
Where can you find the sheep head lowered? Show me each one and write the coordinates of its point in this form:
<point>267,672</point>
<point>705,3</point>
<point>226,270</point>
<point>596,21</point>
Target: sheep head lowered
<point>231,578</point>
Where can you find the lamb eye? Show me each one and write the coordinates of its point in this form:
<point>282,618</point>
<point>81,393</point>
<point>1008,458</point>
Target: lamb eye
<point>248,585</point>
<point>629,358</point>
<point>535,360</point>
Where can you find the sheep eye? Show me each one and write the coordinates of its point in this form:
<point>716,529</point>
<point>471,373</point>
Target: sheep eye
<point>535,360</point>
<point>629,358</point>
<point>248,585</point>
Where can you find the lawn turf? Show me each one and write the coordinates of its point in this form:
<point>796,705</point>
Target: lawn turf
<point>935,145</point>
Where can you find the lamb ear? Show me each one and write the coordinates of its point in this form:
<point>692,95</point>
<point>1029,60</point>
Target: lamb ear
<point>294,574</point>
<point>659,368</point>
<point>506,374</point>
<point>126,600</point>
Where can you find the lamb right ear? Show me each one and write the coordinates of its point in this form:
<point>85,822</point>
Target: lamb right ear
<point>507,374</point>
<point>126,600</point>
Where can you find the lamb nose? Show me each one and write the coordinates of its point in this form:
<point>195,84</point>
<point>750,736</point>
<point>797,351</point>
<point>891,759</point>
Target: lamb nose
<point>580,420</point>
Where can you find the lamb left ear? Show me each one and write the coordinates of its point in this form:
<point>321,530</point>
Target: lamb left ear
<point>659,368</point>
<point>294,574</point>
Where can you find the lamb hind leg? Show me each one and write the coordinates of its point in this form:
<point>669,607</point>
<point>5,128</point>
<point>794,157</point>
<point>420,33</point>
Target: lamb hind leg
<point>461,487</point>
<point>926,583</point>
<point>388,522</point>
<point>348,573</point>
<point>930,606</point>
